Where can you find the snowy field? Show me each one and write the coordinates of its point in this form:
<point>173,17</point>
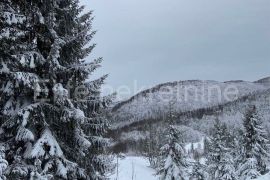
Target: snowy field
<point>137,168</point>
<point>265,177</point>
<point>134,168</point>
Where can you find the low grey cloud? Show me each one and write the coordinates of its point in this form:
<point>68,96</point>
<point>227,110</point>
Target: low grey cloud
<point>155,41</point>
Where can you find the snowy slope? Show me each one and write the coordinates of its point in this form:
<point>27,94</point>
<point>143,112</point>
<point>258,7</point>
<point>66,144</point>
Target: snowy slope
<point>230,113</point>
<point>134,168</point>
<point>142,170</point>
<point>198,123</point>
<point>265,177</point>
<point>181,97</point>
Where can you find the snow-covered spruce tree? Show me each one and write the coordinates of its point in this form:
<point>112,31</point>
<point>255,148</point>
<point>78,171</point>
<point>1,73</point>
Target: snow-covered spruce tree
<point>219,159</point>
<point>255,154</point>
<point>3,163</point>
<point>153,146</point>
<point>206,148</point>
<point>199,171</point>
<point>173,159</point>
<point>51,117</point>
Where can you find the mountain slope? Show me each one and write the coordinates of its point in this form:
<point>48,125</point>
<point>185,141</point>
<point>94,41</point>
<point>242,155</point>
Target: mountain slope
<point>193,124</point>
<point>182,96</point>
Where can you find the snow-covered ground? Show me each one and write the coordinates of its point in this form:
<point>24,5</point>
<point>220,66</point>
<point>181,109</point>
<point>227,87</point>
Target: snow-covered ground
<point>265,177</point>
<point>137,168</point>
<point>134,168</point>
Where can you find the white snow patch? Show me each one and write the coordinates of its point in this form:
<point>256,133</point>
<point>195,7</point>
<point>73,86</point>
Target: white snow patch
<point>48,140</point>
<point>60,91</point>
<point>265,177</point>
<point>12,18</point>
<point>4,68</point>
<point>61,170</point>
<point>79,115</point>
<point>136,168</point>
<point>24,135</point>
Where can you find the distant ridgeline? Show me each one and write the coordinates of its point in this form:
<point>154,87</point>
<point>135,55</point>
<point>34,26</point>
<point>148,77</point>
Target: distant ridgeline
<point>150,112</point>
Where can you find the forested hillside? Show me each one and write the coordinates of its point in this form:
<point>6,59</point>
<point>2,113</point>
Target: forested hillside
<point>194,123</point>
<point>181,97</point>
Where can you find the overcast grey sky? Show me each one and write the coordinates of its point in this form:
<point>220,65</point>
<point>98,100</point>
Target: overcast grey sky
<point>156,41</point>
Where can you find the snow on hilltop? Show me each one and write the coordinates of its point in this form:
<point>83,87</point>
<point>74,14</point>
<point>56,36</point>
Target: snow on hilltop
<point>265,81</point>
<point>182,96</point>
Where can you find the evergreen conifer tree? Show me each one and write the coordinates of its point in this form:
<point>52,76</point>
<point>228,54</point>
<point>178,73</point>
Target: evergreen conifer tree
<point>173,159</point>
<point>52,118</point>
<point>219,160</point>
<point>206,147</point>
<point>153,147</point>
<point>3,163</point>
<point>255,155</point>
<point>198,171</point>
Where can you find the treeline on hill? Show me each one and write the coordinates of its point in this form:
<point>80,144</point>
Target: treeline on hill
<point>227,156</point>
<point>152,105</point>
<point>193,123</point>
